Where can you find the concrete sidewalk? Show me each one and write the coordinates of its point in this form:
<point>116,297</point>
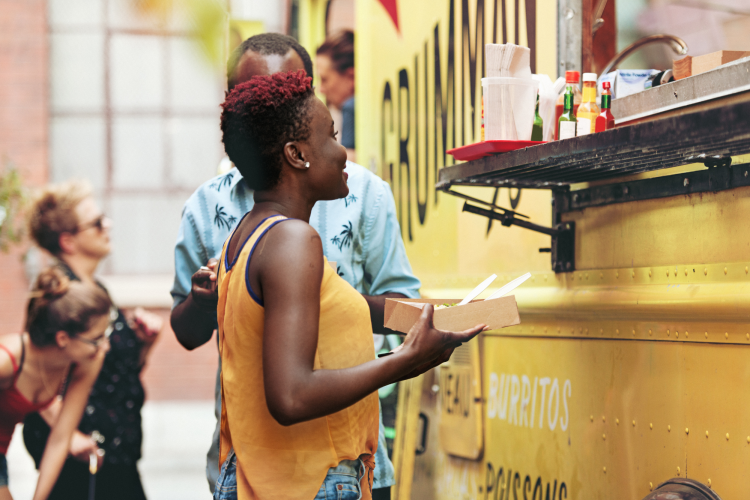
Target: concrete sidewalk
<point>176,436</point>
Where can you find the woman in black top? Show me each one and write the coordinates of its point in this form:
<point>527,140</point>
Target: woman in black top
<point>66,221</point>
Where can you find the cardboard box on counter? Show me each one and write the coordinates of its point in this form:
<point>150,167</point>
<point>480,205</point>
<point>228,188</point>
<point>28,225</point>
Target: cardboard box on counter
<point>691,66</point>
<point>401,314</point>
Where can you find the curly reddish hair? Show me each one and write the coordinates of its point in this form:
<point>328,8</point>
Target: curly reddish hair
<point>259,117</point>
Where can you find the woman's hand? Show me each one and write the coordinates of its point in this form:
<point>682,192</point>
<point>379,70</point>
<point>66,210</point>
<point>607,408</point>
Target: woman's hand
<point>146,325</point>
<point>429,347</point>
<point>82,446</point>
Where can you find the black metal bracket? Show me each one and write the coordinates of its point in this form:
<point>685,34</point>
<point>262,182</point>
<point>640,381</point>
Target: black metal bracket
<point>716,178</point>
<point>563,234</point>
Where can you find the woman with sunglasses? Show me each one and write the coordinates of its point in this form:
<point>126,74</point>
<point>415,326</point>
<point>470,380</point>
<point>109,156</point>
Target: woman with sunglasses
<point>65,343</point>
<point>67,222</point>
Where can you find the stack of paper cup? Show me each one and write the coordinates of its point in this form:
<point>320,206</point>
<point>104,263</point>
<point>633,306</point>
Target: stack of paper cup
<point>509,93</point>
<point>509,105</point>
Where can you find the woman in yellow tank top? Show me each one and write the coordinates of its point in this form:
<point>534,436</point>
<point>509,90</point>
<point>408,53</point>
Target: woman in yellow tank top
<point>299,374</point>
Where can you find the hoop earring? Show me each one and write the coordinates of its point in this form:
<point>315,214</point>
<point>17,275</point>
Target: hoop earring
<point>307,164</point>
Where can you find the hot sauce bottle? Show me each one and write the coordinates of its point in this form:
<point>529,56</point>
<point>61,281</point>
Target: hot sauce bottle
<point>572,78</point>
<point>605,120</point>
<point>566,124</point>
<point>537,130</point>
<point>588,110</point>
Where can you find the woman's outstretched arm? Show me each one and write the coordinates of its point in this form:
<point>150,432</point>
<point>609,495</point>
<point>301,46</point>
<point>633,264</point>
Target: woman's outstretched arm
<point>81,380</point>
<point>289,274</point>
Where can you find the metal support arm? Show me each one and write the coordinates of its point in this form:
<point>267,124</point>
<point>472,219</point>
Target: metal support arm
<point>563,235</point>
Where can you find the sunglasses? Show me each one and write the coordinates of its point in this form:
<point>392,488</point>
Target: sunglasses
<point>98,223</point>
<point>113,314</point>
<point>101,340</point>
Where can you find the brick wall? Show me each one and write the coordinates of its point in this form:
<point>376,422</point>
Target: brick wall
<point>23,126</point>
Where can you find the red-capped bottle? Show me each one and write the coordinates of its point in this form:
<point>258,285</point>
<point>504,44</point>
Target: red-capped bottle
<point>572,78</point>
<point>605,120</point>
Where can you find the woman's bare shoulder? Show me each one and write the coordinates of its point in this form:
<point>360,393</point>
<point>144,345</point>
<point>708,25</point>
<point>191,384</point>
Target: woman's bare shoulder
<point>12,343</point>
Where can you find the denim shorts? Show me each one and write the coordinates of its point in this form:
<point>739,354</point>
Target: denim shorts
<point>3,471</point>
<point>341,483</point>
<point>226,484</point>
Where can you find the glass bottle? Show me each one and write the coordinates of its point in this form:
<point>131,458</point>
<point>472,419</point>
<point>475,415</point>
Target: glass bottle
<point>572,78</point>
<point>537,131</point>
<point>566,124</point>
<point>605,120</point>
<point>588,110</point>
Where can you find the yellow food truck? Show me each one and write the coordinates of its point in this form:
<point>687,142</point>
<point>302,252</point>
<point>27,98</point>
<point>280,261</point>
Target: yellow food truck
<point>626,377</point>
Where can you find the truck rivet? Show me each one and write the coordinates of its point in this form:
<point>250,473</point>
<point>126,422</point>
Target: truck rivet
<point>667,273</point>
<point>605,470</point>
<point>633,423</point>
<point>633,333</point>
<point>649,274</point>
<point>617,331</point>
<point>592,418</point>
<point>604,436</point>
<point>601,275</point>
<point>558,329</point>
<point>669,428</point>
<point>587,275</point>
<point>677,334</point>
<point>727,436</point>
<point>709,482</point>
<point>706,334</point>
<point>686,272</point>
<point>633,274</point>
<point>678,471</point>
<point>545,329</point>
<point>617,421</point>
<point>580,330</point>
<point>650,486</point>
<point>726,335</point>
<point>725,270</point>
<point>532,329</point>
<point>746,269</point>
<point>705,271</point>
<point>706,434</point>
<point>687,431</point>
<point>617,274</point>
<point>602,331</point>
<point>604,419</point>
<point>686,334</point>
<point>748,336</point>
<point>651,426</point>
<point>675,272</point>
<point>667,333</point>
<point>649,332</point>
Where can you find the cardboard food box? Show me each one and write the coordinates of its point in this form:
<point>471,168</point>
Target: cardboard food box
<point>691,66</point>
<point>401,314</point>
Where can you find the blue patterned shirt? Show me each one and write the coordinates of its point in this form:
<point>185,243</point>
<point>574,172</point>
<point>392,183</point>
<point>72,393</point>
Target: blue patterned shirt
<point>360,233</point>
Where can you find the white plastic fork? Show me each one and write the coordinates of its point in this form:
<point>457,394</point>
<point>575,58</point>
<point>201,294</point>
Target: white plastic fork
<point>509,287</point>
<point>479,289</point>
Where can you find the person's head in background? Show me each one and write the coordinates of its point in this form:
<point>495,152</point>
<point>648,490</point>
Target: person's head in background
<point>335,61</point>
<point>70,318</point>
<point>266,54</point>
<point>66,221</point>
